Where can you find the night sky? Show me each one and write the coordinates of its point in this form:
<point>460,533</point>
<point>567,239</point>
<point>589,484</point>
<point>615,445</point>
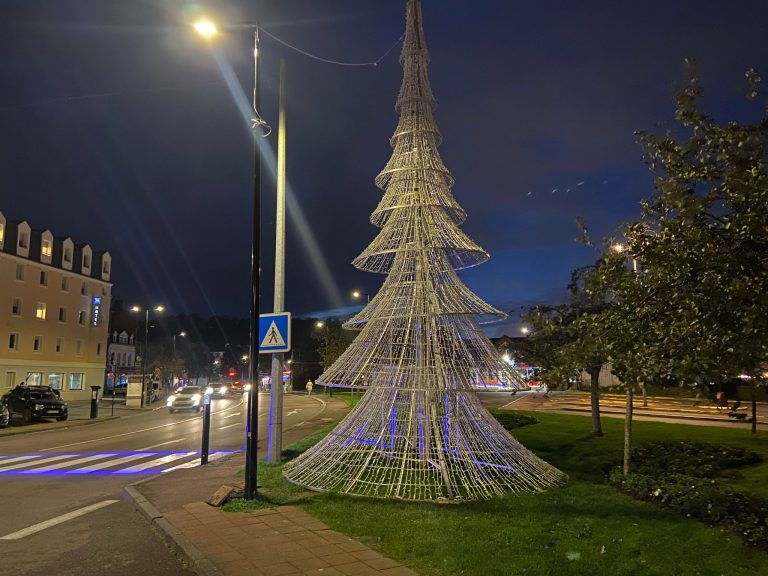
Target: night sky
<point>118,128</point>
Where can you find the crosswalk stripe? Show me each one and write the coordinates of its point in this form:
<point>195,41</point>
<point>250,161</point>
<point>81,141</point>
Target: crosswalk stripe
<point>20,458</point>
<point>36,462</point>
<point>111,463</point>
<point>195,462</point>
<point>155,462</point>
<point>67,464</point>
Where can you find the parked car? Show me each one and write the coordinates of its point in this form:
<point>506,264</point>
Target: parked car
<point>186,398</point>
<point>35,403</point>
<point>5,415</point>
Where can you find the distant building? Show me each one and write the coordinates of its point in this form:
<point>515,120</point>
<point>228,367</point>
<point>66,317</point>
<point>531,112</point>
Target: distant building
<point>54,302</point>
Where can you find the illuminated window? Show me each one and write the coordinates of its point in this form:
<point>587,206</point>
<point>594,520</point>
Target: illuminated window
<point>13,341</point>
<point>2,239</point>
<point>76,381</point>
<point>40,313</point>
<point>34,378</point>
<point>16,307</point>
<point>47,248</point>
<point>37,345</point>
<point>55,380</point>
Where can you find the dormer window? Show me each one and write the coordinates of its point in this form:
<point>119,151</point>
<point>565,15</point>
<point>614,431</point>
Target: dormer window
<point>2,232</point>
<point>47,248</point>
<point>23,240</point>
<point>67,254</point>
<point>105,267</point>
<point>86,260</point>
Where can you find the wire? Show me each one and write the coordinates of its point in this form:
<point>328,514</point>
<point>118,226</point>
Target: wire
<point>326,60</point>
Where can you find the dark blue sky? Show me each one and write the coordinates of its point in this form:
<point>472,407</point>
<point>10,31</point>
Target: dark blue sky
<point>119,130</point>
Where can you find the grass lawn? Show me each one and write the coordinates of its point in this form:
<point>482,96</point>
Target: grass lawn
<point>584,527</point>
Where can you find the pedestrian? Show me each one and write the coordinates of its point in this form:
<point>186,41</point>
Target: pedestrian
<point>309,387</point>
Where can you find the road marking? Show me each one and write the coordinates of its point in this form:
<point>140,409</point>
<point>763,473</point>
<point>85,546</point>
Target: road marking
<point>25,464</point>
<point>58,520</point>
<point>20,458</point>
<point>156,461</point>
<point>68,463</point>
<point>161,444</point>
<point>292,412</point>
<point>193,463</point>
<point>195,419</point>
<point>232,415</point>
<point>230,425</point>
<point>110,463</point>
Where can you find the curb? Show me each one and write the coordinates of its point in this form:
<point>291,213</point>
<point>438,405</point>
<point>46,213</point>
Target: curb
<point>196,559</point>
<point>74,423</point>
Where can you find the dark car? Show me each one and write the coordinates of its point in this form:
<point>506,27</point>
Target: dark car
<point>5,415</point>
<point>36,402</point>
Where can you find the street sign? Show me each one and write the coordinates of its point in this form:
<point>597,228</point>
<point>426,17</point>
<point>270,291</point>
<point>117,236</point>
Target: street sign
<point>274,333</point>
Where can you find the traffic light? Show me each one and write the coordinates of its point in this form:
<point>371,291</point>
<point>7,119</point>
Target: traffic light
<point>232,373</point>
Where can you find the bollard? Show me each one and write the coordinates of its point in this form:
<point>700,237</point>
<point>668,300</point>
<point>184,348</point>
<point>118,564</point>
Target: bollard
<point>95,401</point>
<point>206,429</point>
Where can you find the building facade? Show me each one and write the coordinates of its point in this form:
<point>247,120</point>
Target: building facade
<point>54,296</point>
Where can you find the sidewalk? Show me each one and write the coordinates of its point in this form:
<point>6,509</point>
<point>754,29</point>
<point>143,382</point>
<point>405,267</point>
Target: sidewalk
<point>281,541</point>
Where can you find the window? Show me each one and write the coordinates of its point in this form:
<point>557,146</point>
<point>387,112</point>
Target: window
<point>13,341</point>
<point>40,313</point>
<point>37,346</point>
<point>16,307</point>
<point>81,317</point>
<point>34,378</point>
<point>105,267</point>
<point>65,284</point>
<point>84,289</point>
<point>59,345</point>
<point>86,261</point>
<point>43,278</point>
<point>2,239</point>
<point>76,381</point>
<point>23,240</point>
<point>98,349</point>
<point>62,314</point>
<point>10,379</point>
<point>47,248</point>
<point>20,272</point>
<point>67,255</point>
<point>55,380</point>
<point>79,347</point>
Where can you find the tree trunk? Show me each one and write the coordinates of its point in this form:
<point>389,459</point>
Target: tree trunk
<point>754,408</point>
<point>628,431</point>
<point>645,395</point>
<point>594,378</point>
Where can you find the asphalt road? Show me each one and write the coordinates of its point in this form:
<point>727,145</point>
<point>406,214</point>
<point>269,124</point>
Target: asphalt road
<point>61,490</point>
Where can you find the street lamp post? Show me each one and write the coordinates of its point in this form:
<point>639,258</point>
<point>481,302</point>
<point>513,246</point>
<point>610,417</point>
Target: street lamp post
<point>145,358</point>
<point>173,356</point>
<point>357,294</point>
<point>208,29</point>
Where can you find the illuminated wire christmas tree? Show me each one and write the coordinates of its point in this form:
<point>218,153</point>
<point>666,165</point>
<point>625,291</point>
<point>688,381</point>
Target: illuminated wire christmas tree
<point>419,432</point>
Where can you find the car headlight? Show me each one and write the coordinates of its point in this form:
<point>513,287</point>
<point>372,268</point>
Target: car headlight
<point>170,400</point>
<point>196,399</point>
<point>39,406</point>
<point>247,387</point>
<point>209,390</point>
<point>223,390</point>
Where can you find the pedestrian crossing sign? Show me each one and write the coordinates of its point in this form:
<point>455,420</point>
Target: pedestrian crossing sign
<point>274,333</point>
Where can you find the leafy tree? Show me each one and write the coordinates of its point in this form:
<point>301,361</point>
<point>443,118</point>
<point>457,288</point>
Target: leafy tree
<point>697,307</point>
<point>332,341</point>
<point>567,338</point>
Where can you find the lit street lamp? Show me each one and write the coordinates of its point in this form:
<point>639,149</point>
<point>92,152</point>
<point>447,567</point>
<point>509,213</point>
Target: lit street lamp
<point>357,294</point>
<point>208,29</point>
<point>173,356</point>
<point>145,358</point>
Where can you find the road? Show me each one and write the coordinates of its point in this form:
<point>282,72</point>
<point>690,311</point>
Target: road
<point>61,494</point>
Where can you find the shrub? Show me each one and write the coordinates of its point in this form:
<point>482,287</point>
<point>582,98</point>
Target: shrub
<point>512,420</point>
<point>679,476</point>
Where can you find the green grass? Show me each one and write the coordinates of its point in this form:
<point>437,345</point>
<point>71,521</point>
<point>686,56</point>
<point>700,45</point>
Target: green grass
<point>584,527</point>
